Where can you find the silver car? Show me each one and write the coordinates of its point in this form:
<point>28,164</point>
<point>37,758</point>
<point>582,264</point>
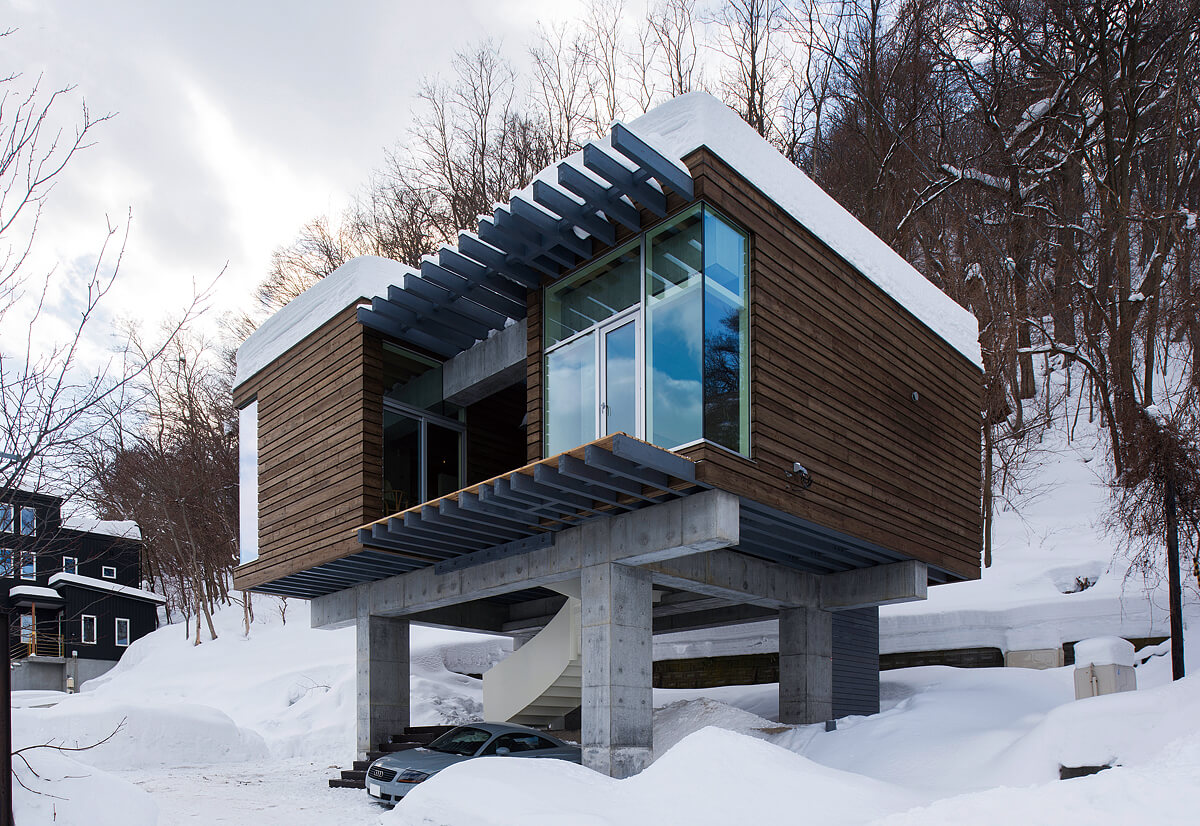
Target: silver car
<point>393,776</point>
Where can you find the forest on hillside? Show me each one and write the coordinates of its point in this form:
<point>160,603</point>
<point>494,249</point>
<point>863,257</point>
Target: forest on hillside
<point>1037,160</point>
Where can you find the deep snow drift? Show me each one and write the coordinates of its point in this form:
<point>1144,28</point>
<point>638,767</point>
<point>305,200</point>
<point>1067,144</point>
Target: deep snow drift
<point>245,730</point>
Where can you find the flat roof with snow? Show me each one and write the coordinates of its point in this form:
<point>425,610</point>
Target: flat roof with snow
<point>468,290</point>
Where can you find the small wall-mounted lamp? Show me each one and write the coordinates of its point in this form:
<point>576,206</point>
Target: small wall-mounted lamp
<point>916,397</point>
<point>801,475</point>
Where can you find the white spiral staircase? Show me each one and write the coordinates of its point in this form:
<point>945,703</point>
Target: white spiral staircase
<point>542,680</point>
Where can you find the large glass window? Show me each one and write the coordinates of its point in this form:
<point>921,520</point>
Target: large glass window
<point>28,565</point>
<point>422,433</point>
<point>675,331</point>
<point>726,335</point>
<point>571,395</point>
<point>594,295</point>
<point>653,340</point>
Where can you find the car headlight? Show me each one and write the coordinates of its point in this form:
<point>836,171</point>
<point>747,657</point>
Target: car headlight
<point>411,776</point>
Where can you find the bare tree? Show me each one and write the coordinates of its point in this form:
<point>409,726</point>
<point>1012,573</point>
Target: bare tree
<point>673,23</point>
<point>748,36</point>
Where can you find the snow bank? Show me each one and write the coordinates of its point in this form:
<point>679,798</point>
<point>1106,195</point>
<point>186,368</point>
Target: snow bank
<point>1104,651</point>
<point>684,717</point>
<point>1164,790</point>
<point>53,788</point>
<point>136,736</point>
<point>711,777</point>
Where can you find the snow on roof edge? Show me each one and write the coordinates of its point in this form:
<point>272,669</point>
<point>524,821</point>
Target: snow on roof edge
<point>684,124</point>
<point>363,277</point>
<point>101,585</point>
<point>122,529</point>
<point>674,129</point>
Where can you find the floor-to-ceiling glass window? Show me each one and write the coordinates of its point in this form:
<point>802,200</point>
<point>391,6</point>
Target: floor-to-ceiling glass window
<point>653,340</point>
<point>726,334</point>
<point>675,331</point>
<point>591,357</point>
<point>423,454</point>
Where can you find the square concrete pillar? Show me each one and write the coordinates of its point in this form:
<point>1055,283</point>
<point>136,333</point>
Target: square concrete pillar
<point>618,704</point>
<point>382,677</point>
<point>805,665</point>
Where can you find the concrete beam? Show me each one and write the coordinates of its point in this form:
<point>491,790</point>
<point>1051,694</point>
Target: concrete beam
<point>700,522</point>
<point>745,579</point>
<point>739,578</point>
<point>492,364</point>
<point>880,585</point>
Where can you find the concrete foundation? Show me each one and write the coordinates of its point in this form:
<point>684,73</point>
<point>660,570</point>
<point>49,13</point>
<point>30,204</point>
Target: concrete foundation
<point>805,665</point>
<point>383,680</point>
<point>618,703</point>
<point>51,673</point>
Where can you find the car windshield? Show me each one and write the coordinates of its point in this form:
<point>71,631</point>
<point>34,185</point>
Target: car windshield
<point>463,741</point>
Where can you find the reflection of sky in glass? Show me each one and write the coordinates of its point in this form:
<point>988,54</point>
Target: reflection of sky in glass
<point>726,339</point>
<point>592,296</point>
<point>571,395</point>
<point>620,377</point>
<point>675,333</point>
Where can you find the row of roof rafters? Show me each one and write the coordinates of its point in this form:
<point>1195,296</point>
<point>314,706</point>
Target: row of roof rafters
<point>466,292</point>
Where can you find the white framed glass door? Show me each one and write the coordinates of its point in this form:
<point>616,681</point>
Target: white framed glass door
<point>620,384</point>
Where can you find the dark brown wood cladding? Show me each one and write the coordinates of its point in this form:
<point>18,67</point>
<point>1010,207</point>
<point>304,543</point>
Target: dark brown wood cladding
<point>834,365</point>
<point>319,448</point>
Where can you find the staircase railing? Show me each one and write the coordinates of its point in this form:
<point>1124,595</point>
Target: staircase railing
<point>37,645</point>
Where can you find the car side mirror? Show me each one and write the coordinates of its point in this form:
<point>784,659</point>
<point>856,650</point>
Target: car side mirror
<point>503,751</point>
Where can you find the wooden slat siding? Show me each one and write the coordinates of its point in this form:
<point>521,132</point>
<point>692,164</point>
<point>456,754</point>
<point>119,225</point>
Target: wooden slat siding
<point>834,360</point>
<point>319,447</point>
<point>856,662</point>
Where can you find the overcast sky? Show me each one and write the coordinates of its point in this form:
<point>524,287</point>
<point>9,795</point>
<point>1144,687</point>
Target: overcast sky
<point>235,123</point>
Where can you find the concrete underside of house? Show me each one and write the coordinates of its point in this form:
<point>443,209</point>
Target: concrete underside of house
<point>668,567</point>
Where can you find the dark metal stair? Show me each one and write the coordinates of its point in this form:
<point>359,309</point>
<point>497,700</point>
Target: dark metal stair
<point>413,736</point>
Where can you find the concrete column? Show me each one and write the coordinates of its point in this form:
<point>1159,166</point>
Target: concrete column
<point>805,665</point>
<point>618,707</point>
<point>382,679</point>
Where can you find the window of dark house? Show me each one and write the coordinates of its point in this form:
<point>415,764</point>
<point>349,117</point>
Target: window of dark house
<point>6,517</point>
<point>70,565</point>
<point>6,561</point>
<point>122,631</point>
<point>87,629</point>
<point>28,565</point>
<point>28,521</point>
<point>108,572</point>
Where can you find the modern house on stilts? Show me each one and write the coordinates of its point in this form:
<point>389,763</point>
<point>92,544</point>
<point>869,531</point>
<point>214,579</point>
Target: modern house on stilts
<point>670,385</point>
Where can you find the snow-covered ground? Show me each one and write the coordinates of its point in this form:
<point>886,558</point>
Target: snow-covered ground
<point>247,728</point>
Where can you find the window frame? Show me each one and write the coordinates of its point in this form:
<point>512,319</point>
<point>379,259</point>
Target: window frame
<point>31,555</point>
<point>21,521</point>
<point>74,567</point>
<point>104,571</point>
<point>117,632</point>
<point>83,624</point>
<point>7,520</point>
<point>640,310</point>
<point>424,419</point>
<point>8,561</point>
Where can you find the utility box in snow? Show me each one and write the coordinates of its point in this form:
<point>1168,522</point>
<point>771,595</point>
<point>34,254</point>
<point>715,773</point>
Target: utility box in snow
<point>1104,665</point>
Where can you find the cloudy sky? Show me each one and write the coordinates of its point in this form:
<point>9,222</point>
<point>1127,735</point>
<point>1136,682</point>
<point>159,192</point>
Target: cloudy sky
<point>235,122</point>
